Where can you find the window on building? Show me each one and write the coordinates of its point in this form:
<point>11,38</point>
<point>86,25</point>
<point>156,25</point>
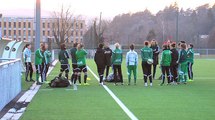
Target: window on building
<point>14,24</point>
<point>48,33</point>
<point>24,24</point>
<point>0,24</point>
<point>81,33</point>
<point>72,33</point>
<point>5,24</point>
<point>76,33</point>
<point>43,33</point>
<point>29,32</point>
<point>81,25</point>
<point>43,25</point>
<point>24,33</point>
<point>9,32</point>
<point>14,32</point>
<point>48,25</point>
<point>29,24</point>
<point>19,24</point>
<point>19,32</point>
<point>34,33</point>
<point>4,32</point>
<point>9,24</point>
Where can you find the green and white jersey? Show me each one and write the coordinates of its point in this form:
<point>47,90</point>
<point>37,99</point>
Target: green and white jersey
<point>190,55</point>
<point>116,57</point>
<point>146,53</point>
<point>166,58</point>
<point>39,57</point>
<point>47,56</point>
<point>63,57</point>
<point>73,55</point>
<point>81,57</point>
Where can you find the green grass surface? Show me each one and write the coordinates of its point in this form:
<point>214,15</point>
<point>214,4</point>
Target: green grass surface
<point>26,85</point>
<point>194,101</point>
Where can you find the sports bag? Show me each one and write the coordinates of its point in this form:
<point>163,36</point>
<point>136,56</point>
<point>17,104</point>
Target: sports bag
<point>59,82</point>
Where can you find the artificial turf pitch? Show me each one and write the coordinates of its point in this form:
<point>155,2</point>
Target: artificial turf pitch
<point>194,101</point>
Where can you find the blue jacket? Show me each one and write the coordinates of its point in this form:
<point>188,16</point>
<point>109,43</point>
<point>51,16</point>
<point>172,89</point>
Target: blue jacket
<point>27,55</point>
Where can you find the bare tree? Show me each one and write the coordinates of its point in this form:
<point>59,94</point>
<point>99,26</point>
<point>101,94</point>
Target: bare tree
<point>96,33</point>
<point>63,22</point>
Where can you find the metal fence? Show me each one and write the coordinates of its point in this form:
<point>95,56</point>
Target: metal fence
<point>10,81</point>
<point>199,53</point>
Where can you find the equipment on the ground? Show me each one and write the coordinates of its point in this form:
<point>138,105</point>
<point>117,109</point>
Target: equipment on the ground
<point>110,78</point>
<point>59,82</point>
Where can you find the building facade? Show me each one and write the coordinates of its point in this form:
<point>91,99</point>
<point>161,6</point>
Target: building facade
<point>23,29</point>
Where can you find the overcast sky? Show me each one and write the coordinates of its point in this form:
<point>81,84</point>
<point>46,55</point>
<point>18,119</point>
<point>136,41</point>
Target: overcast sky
<point>92,8</point>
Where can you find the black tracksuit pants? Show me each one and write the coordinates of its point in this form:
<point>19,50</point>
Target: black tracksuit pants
<point>101,73</point>
<point>174,72</point>
<point>147,71</point>
<point>29,69</point>
<point>165,72</point>
<point>117,71</point>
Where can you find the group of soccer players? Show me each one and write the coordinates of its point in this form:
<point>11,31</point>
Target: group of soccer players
<point>42,62</point>
<point>176,62</point>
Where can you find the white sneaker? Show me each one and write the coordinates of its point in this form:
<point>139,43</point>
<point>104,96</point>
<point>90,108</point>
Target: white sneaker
<point>75,87</point>
<point>150,84</point>
<point>146,84</point>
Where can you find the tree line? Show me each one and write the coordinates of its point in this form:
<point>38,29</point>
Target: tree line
<point>196,26</point>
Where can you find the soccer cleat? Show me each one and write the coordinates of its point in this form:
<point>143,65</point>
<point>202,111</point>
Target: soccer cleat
<point>128,83</point>
<point>122,83</point>
<point>150,84</point>
<point>79,84</point>
<point>39,83</point>
<point>86,84</point>
<point>115,84</point>
<point>161,84</point>
<point>32,80</point>
<point>146,84</point>
<point>190,80</point>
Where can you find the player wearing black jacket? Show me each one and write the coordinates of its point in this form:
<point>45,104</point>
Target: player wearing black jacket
<point>174,63</point>
<point>156,51</point>
<point>100,62</point>
<point>108,54</point>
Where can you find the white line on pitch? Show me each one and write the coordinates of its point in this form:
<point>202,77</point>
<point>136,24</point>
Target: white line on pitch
<point>118,101</point>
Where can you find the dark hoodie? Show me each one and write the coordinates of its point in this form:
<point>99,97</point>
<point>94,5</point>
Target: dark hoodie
<point>108,54</point>
<point>100,58</point>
